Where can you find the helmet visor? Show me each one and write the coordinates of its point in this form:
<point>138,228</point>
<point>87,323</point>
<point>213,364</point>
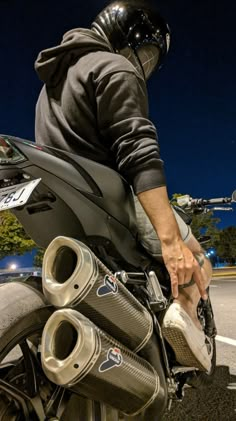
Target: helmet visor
<point>149,58</point>
<point>145,59</point>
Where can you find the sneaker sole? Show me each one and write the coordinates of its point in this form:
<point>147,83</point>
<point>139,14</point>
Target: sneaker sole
<point>183,353</point>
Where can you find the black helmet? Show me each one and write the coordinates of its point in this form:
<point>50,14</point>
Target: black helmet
<point>135,30</point>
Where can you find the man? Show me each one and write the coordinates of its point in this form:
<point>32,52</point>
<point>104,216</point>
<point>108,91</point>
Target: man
<point>94,103</point>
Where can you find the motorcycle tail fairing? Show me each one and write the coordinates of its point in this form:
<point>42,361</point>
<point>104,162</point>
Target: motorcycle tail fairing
<point>77,198</point>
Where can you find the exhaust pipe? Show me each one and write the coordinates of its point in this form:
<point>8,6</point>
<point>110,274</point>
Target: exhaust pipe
<point>76,354</point>
<point>73,277</point>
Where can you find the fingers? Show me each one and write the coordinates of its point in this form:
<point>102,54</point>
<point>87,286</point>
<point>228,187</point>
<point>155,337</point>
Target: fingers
<point>182,272</point>
<point>182,267</point>
<point>198,278</point>
<point>174,284</point>
<point>188,270</point>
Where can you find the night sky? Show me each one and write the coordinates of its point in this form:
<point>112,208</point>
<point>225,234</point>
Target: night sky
<point>192,98</point>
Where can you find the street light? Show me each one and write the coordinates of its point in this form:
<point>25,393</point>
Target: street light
<point>13,266</point>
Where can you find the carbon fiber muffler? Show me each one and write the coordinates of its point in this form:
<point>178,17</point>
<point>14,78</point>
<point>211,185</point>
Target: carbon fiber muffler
<point>76,354</point>
<point>74,277</point>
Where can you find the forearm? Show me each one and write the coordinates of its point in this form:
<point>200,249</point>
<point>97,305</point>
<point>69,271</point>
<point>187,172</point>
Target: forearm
<point>156,205</point>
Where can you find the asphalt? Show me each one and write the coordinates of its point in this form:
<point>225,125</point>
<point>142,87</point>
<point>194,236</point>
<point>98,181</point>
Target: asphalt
<point>215,403</point>
<point>223,295</point>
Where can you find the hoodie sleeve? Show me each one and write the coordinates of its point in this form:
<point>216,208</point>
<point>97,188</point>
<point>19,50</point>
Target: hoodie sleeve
<point>122,113</point>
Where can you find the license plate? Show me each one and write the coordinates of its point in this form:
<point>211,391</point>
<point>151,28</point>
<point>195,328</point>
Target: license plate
<point>13,196</point>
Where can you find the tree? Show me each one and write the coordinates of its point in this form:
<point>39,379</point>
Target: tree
<point>13,238</point>
<point>38,258</point>
<point>203,224</point>
<point>226,247</point>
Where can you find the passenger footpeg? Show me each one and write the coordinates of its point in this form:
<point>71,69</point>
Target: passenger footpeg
<point>157,302</point>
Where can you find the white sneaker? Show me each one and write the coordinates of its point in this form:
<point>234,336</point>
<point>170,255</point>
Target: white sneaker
<point>187,341</point>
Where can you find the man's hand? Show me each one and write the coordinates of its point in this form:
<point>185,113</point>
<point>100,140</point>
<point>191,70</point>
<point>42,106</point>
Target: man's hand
<point>182,267</point>
<point>178,258</point>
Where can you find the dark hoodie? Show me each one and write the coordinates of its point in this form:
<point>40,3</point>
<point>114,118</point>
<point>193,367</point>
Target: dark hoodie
<point>94,104</point>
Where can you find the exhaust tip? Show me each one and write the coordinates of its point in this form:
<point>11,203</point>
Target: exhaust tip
<point>70,347</point>
<point>61,348</point>
<point>69,271</point>
<point>64,264</point>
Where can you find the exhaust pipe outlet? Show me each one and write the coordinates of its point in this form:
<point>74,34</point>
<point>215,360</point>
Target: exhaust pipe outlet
<point>76,354</point>
<point>74,277</point>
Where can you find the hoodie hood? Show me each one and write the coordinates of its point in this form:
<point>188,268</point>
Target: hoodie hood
<point>52,64</point>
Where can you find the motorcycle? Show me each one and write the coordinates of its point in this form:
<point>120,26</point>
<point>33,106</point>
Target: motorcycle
<point>89,338</point>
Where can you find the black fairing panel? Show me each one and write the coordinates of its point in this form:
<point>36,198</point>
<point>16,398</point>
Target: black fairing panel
<point>100,184</point>
<point>78,198</point>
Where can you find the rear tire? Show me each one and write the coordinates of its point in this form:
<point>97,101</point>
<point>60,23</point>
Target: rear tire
<point>23,311</point>
<point>23,314</point>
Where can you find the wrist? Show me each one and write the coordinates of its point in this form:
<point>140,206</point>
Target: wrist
<point>170,239</point>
